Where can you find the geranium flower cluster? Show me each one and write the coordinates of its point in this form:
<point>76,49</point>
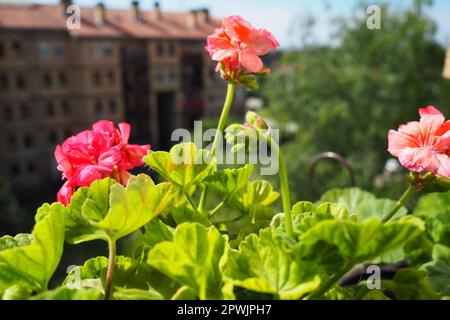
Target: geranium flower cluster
<point>237,47</point>
<point>423,146</point>
<point>95,154</point>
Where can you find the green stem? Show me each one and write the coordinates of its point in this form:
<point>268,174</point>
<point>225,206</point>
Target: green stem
<point>191,202</point>
<point>201,203</point>
<point>224,116</point>
<point>285,193</point>
<point>110,271</point>
<point>327,285</point>
<point>220,127</point>
<point>406,196</point>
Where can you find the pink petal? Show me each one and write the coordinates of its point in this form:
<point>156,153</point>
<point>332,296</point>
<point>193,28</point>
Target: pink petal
<point>444,165</point>
<point>223,54</point>
<point>65,193</point>
<point>430,110</point>
<point>237,28</point>
<point>125,131</point>
<point>250,61</point>
<point>87,175</point>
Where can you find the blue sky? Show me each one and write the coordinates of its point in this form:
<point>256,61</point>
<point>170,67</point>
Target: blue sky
<point>279,16</point>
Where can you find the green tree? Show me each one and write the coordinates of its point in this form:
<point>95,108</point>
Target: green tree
<point>345,98</point>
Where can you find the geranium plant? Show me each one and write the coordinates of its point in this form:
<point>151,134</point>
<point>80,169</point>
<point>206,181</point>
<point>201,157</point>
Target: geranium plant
<point>186,246</point>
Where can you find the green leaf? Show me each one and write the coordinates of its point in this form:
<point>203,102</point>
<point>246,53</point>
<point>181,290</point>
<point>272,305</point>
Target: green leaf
<point>306,215</point>
<point>184,166</point>
<point>439,276</point>
<point>187,214</point>
<point>93,273</point>
<point>108,210</point>
<point>192,258</point>
<point>345,243</point>
<point>362,203</point>
<point>229,181</point>
<point>157,231</point>
<point>410,284</point>
<point>258,192</point>
<point>20,240</point>
<point>434,208</point>
<point>137,294</point>
<point>32,265</point>
<point>69,294</point>
<point>263,264</point>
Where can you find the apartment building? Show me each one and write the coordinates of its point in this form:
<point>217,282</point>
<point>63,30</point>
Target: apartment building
<point>147,67</point>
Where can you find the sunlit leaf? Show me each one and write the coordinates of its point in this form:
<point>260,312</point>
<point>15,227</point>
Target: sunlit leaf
<point>192,258</point>
<point>32,264</point>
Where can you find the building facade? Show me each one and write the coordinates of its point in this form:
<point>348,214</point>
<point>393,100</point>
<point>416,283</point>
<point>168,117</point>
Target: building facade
<point>145,67</point>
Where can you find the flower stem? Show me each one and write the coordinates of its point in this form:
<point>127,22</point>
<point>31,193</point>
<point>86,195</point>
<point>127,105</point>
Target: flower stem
<point>406,196</point>
<point>224,116</point>
<point>285,193</point>
<point>327,285</point>
<point>220,127</point>
<point>110,271</point>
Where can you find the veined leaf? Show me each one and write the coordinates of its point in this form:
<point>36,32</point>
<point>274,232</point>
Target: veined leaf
<point>108,210</point>
<point>184,166</point>
<point>306,215</point>
<point>434,208</point>
<point>439,275</point>
<point>362,203</point>
<point>20,240</point>
<point>62,293</point>
<point>258,192</point>
<point>229,181</point>
<point>93,273</point>
<point>410,284</point>
<point>32,264</point>
<point>137,294</point>
<point>192,258</point>
<point>345,243</point>
<point>263,264</point>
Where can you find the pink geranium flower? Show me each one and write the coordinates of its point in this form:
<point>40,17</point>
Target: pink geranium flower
<point>425,145</point>
<point>95,154</point>
<point>237,44</point>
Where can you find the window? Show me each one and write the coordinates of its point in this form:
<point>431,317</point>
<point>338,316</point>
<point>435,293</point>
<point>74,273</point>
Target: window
<point>98,108</point>
<point>112,107</point>
<point>108,50</point>
<point>4,82</point>
<point>97,79</point>
<point>65,108</point>
<point>111,78</point>
<point>96,52</point>
<point>47,79</point>
<point>17,49</point>
<point>160,75</point>
<point>50,109</point>
<point>30,167</point>
<point>15,170</point>
<point>59,50</point>
<point>44,50</point>
<point>160,49</point>
<point>63,79</point>
<point>172,75</point>
<point>171,49</point>
<point>24,112</point>
<point>20,82</point>
<point>8,113</point>
<point>2,50</point>
<point>28,140</point>
<point>53,137</point>
<point>12,142</point>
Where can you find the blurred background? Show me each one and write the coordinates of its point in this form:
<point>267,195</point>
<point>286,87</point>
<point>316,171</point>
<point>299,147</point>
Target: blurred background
<point>337,83</point>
